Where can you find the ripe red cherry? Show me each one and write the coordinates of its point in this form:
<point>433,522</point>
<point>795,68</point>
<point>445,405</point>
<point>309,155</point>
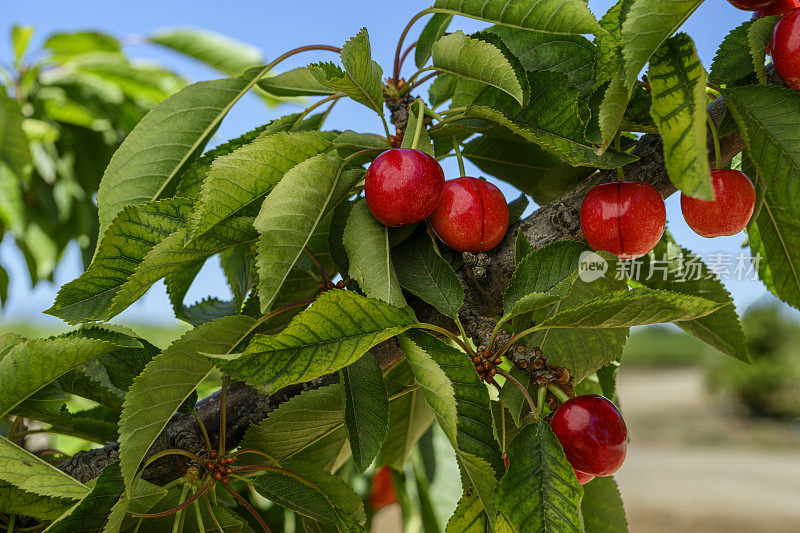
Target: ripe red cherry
<point>472,215</point>
<point>583,479</point>
<point>777,8</point>
<point>593,434</point>
<point>786,48</point>
<point>751,5</point>
<point>626,218</point>
<point>730,210</point>
<point>381,492</point>
<point>505,459</point>
<point>403,186</point>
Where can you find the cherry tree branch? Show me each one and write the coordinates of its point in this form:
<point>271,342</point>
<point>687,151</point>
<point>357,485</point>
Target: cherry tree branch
<point>484,277</point>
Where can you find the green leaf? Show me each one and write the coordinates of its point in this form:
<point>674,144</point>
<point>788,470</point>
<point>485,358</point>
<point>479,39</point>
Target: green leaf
<point>554,16</point>
<point>361,78</point>
<point>30,365</point>
<point>633,307</point>
<point>469,516</point>
<point>427,275</point>
<point>367,243</point>
<point>573,55</point>
<point>242,177</point>
<point>461,403</point>
<point>172,256</point>
<point>237,264</point>
<point>612,110</point>
<point>220,52</point>
<point>769,117</point>
<point>649,23</point>
<point>66,46</point>
<point>479,60</point>
<point>366,409</point>
<point>759,37</point>
<point>775,237</point>
<point>678,84</point>
<point>551,269</point>
<point>409,417</point>
<point>733,64</point>
<point>677,269</point>
<point>526,166</point>
<point>90,514</point>
<point>296,82</point>
<point>551,119</point>
<point>149,404</point>
<point>432,32</point>
<point>25,471</point>
<point>298,423</point>
<point>14,150</point>
<point>312,492</point>
<point>424,142</point>
<point>289,216</point>
<point>539,492</point>
<point>609,51</point>
<point>532,301</point>
<point>602,507</point>
<point>339,328</point>
<point>20,37</point>
<point>160,147</point>
<point>12,204</point>
<point>135,231</point>
<point>16,501</point>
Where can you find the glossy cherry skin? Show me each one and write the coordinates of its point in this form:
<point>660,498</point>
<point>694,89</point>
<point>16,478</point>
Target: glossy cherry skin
<point>786,48</point>
<point>472,215</point>
<point>403,186</point>
<point>777,8</point>
<point>626,218</point>
<point>730,210</point>
<point>751,5</point>
<point>583,479</point>
<point>593,434</point>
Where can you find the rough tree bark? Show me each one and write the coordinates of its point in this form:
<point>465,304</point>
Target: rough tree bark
<point>484,277</point>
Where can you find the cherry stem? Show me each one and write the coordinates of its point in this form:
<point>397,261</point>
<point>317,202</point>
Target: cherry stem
<point>306,48</point>
<point>249,507</point>
<point>198,516</point>
<point>406,52</point>
<point>416,83</point>
<point>183,505</point>
<point>541,396</point>
<point>418,129</point>
<point>223,408</point>
<point>557,392</point>
<point>396,73</point>
<point>202,429</point>
<point>173,451</point>
<point>12,522</point>
<point>312,107</point>
<point>715,135</point>
<point>618,148</point>
<point>449,335</point>
<point>457,149</point>
<point>516,338</point>
<point>521,388</point>
<point>257,452</point>
<point>317,263</point>
<point>503,427</point>
<point>178,520</point>
<point>211,513</point>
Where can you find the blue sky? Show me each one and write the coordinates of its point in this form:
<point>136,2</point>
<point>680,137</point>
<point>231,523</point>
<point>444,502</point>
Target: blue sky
<point>275,27</point>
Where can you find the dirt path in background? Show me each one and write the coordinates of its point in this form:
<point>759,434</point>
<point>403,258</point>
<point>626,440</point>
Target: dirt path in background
<point>694,467</point>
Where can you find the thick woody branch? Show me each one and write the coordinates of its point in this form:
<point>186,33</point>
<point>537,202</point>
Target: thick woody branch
<point>484,277</point>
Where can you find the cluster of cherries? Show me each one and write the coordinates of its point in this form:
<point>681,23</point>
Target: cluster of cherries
<point>404,186</point>
<point>785,45</point>
<point>593,435</point>
<point>627,218</point>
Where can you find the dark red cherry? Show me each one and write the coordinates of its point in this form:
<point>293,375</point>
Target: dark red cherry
<point>786,48</point>
<point>730,210</point>
<point>778,7</point>
<point>626,218</point>
<point>472,215</point>
<point>403,186</point>
<point>751,5</point>
<point>593,434</point>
